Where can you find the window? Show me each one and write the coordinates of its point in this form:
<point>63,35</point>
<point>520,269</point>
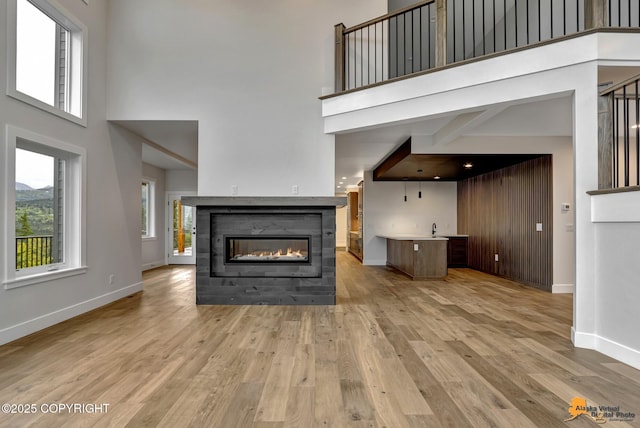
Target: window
<point>46,60</point>
<point>44,189</point>
<point>148,201</point>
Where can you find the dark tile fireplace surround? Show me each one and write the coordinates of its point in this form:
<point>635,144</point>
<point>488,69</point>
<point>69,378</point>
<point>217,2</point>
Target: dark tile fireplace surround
<point>265,250</point>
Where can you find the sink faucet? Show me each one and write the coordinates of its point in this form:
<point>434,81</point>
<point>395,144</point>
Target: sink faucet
<point>433,229</point>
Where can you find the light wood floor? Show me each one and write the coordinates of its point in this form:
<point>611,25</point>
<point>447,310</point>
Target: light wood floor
<point>474,350</point>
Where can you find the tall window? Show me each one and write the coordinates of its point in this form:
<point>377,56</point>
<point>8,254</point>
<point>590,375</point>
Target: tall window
<point>44,233</point>
<point>46,61</point>
<point>39,207</point>
<point>148,218</point>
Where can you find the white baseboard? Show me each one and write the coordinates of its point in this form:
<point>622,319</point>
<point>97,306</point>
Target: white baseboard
<point>562,288</point>
<point>25,328</point>
<point>606,346</point>
<point>152,265</point>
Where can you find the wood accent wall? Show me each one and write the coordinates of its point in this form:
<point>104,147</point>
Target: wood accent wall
<point>499,211</point>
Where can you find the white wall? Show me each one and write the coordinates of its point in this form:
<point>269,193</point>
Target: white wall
<point>113,197</point>
<point>385,212</point>
<point>616,218</point>
<point>249,72</point>
<point>181,180</point>
<point>154,248</point>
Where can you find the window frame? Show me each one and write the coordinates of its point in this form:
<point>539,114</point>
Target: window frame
<point>74,247</point>
<point>151,212</point>
<point>78,64</point>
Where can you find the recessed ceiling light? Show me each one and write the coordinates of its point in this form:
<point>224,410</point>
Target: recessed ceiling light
<point>344,178</point>
<point>467,165</point>
<point>338,187</point>
<point>437,177</point>
<point>342,182</point>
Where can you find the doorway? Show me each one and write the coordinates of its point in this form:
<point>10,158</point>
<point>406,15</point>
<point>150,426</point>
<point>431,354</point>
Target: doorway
<point>181,230</point>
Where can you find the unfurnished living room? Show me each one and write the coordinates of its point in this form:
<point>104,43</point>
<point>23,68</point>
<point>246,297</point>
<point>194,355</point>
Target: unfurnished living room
<point>376,213</point>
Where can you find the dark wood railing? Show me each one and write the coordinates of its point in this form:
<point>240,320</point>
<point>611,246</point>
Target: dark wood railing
<point>392,45</point>
<point>33,251</point>
<point>435,33</point>
<point>619,136</point>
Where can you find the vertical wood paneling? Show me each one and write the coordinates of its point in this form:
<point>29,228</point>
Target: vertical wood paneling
<point>499,211</point>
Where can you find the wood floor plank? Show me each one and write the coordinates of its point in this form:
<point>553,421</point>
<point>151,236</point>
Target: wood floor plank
<point>471,350</point>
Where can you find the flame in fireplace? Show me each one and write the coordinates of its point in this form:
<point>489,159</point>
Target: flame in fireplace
<point>272,255</point>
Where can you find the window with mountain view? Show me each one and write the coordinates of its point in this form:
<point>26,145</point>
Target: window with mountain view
<point>39,208</point>
<point>44,232</point>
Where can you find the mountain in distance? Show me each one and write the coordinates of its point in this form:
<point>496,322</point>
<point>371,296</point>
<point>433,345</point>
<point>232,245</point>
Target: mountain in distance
<point>22,186</point>
<point>28,193</point>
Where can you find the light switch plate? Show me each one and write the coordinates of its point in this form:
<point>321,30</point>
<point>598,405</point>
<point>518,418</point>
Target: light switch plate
<point>538,227</point>
<point>415,247</point>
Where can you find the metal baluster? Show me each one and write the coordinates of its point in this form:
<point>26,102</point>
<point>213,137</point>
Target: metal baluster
<point>454,30</point>
<point>504,3</point>
<point>619,13</point>
<point>464,36</point>
<point>610,17</point>
<point>564,17</point>
<point>413,60</point>
<point>515,7</point>
<point>494,25</point>
<point>527,18</point>
<point>484,32</point>
<point>361,56</point>
<point>473,26</point>
<point>382,53</point>
<point>368,54</point>
<point>625,121</point>
<point>615,141</point>
<point>551,16</point>
<point>397,59</point>
<point>539,23</point>
<point>420,35</point>
<point>375,53</point>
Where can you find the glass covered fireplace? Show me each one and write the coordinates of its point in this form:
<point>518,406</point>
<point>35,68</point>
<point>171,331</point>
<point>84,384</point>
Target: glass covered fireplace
<point>267,249</point>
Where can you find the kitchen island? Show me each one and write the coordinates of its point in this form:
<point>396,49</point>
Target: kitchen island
<point>419,256</point>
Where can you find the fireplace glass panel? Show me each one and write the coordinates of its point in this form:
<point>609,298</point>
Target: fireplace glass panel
<point>267,250</point>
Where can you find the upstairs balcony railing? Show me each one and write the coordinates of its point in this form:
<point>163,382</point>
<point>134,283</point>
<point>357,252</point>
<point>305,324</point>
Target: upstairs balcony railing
<point>619,136</point>
<point>33,251</point>
<point>434,33</point>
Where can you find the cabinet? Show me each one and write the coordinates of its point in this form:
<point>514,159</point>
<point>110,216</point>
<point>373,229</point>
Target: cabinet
<point>457,251</point>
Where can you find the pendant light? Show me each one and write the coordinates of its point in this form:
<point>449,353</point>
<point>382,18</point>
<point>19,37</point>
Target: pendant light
<point>405,179</point>
<point>420,184</point>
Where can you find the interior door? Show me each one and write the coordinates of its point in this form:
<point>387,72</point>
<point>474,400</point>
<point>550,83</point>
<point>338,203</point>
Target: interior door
<point>181,232</point>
